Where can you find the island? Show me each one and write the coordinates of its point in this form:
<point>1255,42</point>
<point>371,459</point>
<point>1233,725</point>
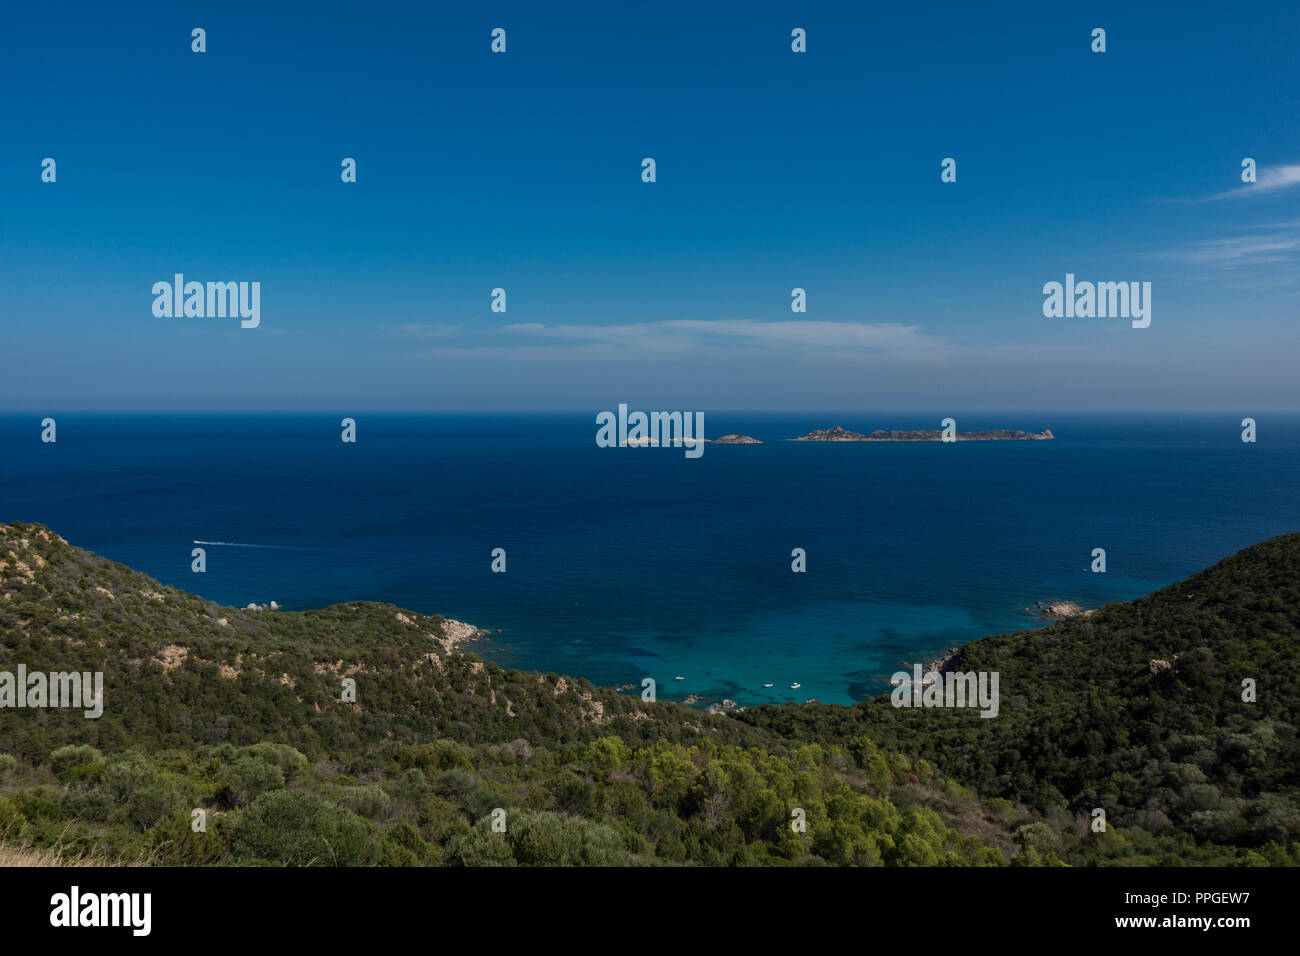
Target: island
<point>736,440</point>
<point>930,434</point>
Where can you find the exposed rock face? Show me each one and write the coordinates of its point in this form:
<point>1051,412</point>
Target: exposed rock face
<point>1155,667</point>
<point>929,434</point>
<point>937,666</point>
<point>455,633</point>
<point>1058,610</point>
<point>736,440</point>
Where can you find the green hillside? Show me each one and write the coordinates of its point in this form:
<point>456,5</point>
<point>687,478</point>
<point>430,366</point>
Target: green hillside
<point>240,713</point>
<point>1092,717</point>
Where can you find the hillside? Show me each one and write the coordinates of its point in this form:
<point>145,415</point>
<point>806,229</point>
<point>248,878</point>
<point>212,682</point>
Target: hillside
<point>240,714</point>
<point>1136,709</point>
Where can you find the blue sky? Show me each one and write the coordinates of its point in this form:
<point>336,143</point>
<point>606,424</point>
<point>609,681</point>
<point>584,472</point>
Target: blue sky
<point>775,170</point>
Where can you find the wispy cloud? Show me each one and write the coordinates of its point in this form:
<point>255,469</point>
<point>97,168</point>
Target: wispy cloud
<point>1269,179</point>
<point>1238,251</point>
<point>854,335</point>
<point>691,339</point>
<point>1263,257</point>
<point>421,331</point>
<point>739,347</point>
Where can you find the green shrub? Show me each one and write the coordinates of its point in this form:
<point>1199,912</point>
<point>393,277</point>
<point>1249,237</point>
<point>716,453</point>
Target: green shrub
<point>541,839</point>
<point>403,846</point>
<point>247,778</point>
<point>300,829</point>
<point>366,801</point>
<point>142,795</point>
<point>291,763</point>
<point>65,758</point>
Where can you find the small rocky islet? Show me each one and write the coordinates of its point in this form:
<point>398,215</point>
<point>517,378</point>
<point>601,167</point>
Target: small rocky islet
<point>838,433</point>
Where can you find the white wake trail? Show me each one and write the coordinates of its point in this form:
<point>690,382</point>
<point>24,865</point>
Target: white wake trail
<point>237,544</point>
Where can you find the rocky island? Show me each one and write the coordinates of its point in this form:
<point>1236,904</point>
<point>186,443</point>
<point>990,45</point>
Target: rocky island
<point>929,434</point>
<point>736,440</point>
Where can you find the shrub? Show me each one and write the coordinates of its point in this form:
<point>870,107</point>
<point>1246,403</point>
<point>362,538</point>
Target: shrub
<point>140,791</point>
<point>65,758</point>
<point>242,782</point>
<point>541,839</point>
<point>403,846</point>
<point>291,763</point>
<point>366,801</point>
<point>301,829</point>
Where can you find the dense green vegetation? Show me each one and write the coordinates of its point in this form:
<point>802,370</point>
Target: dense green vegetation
<point>1185,769</point>
<point>240,714</point>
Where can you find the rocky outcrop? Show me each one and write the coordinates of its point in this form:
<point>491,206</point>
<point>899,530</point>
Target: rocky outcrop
<point>455,633</point>
<point>1059,610</point>
<point>835,433</point>
<point>838,433</point>
<point>938,665</point>
<point>1157,666</point>
<point>736,440</point>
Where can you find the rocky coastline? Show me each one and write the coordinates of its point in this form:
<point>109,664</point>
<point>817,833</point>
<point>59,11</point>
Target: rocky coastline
<point>1060,610</point>
<point>455,633</point>
<point>942,661</point>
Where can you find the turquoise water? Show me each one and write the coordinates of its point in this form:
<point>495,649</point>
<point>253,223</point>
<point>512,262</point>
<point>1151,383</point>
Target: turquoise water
<point>634,562</point>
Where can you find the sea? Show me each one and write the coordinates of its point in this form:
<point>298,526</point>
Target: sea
<point>626,563</point>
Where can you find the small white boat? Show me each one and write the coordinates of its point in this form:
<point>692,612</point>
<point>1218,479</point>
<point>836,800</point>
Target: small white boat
<point>679,677</point>
<point>767,685</point>
<point>795,686</point>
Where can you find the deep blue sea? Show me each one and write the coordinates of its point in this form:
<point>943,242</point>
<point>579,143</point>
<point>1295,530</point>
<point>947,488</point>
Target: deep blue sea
<point>634,562</point>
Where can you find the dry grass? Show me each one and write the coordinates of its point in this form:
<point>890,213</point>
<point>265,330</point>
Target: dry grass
<point>27,856</point>
<point>19,854</point>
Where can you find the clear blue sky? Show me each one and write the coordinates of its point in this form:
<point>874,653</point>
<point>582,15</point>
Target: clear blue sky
<point>775,170</point>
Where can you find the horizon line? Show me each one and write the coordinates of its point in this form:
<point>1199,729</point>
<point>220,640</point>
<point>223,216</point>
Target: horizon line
<point>591,409</point>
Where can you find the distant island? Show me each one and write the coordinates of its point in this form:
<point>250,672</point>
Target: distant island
<point>929,434</point>
<point>736,440</point>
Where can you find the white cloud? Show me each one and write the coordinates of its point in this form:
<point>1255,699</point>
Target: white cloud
<point>1260,259</point>
<point>1239,250</point>
<point>423,330</point>
<point>688,335</point>
<point>1268,179</point>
